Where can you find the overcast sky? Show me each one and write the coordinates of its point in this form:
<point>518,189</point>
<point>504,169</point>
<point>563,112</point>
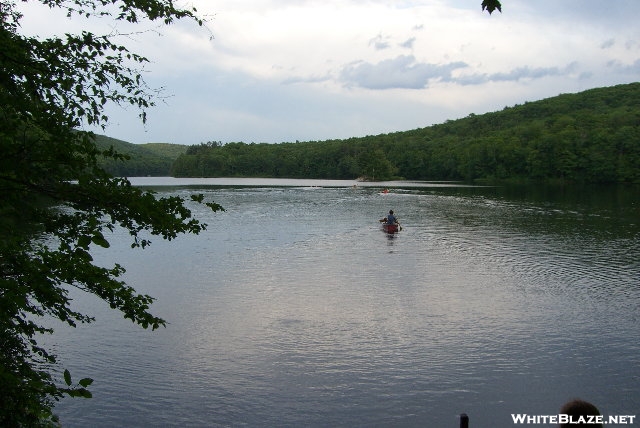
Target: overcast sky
<point>287,70</point>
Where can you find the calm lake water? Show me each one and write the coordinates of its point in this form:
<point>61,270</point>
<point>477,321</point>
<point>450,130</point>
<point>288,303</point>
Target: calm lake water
<point>294,309</point>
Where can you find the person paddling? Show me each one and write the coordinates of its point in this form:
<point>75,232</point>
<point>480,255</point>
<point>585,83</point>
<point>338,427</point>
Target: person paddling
<point>390,219</point>
<point>390,223</point>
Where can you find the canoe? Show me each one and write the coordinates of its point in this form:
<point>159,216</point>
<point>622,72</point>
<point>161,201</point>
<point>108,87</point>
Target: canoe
<point>391,228</point>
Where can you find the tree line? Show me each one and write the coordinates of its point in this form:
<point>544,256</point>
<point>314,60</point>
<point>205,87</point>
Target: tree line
<point>592,136</point>
<point>150,159</point>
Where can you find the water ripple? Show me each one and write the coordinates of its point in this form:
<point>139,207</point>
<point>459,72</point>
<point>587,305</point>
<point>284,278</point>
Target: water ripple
<point>294,309</point>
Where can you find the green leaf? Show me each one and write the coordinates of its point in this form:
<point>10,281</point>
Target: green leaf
<point>85,382</point>
<point>67,377</point>
<point>84,393</point>
<point>98,239</point>
<point>491,5</point>
<point>84,241</point>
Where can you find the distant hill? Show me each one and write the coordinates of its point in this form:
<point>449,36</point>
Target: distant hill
<point>166,150</point>
<point>152,159</point>
<point>592,136</point>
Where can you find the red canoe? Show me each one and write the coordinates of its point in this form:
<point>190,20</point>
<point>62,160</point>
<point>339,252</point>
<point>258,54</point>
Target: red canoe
<point>390,228</point>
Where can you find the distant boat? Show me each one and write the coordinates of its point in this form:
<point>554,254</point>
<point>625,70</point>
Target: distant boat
<point>391,228</point>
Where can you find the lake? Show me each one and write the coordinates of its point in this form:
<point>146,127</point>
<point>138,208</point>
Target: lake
<point>294,309</point>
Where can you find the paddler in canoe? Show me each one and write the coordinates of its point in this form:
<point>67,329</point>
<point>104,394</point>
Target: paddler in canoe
<point>390,223</point>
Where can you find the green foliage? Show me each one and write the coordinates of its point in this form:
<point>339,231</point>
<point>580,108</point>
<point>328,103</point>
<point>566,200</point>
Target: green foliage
<point>491,5</point>
<point>141,160</point>
<point>80,390</point>
<point>593,136</point>
<point>328,159</point>
<point>56,201</point>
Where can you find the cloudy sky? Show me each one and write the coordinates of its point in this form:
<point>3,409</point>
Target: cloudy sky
<point>286,70</point>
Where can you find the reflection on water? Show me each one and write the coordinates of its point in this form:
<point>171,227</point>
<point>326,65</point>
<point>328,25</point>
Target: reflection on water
<point>294,309</point>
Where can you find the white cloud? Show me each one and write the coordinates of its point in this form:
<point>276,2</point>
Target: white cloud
<point>379,42</point>
<point>400,72</point>
<point>281,70</point>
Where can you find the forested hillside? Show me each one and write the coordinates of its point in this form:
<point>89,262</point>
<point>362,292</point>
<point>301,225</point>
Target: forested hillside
<point>154,159</point>
<point>593,136</point>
